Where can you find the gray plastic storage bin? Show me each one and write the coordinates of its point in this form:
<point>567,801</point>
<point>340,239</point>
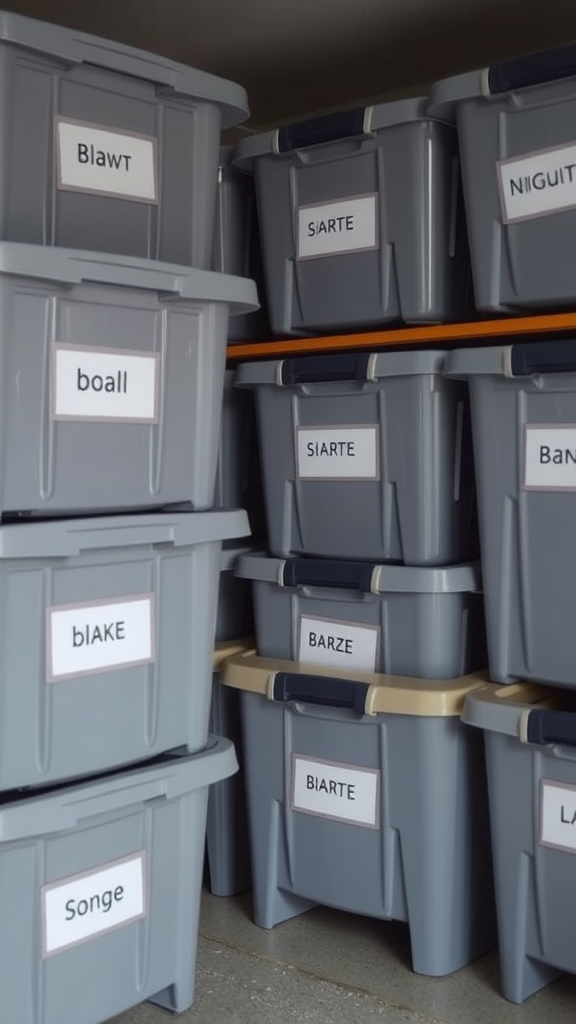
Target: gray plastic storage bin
<point>523,403</point>
<point>365,456</point>
<point>111,380</point>
<point>518,151</point>
<point>530,735</point>
<point>371,618</point>
<point>106,147</point>
<point>237,243</point>
<point>238,475</point>
<point>106,640</point>
<point>227,847</point>
<point>366,793</point>
<point>100,888</point>
<point>359,219</point>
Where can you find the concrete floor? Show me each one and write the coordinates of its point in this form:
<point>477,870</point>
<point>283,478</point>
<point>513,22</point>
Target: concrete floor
<point>326,967</point>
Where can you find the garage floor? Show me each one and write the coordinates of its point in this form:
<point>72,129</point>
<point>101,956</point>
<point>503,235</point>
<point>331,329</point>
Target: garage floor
<point>327,967</point>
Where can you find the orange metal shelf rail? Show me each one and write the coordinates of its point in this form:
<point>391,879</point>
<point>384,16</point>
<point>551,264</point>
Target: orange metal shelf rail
<point>467,333</point>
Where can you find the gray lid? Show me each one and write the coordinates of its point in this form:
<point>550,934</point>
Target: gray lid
<point>378,365</point>
<point>384,579</point>
<point>65,808</point>
<point>446,94</point>
<point>474,362</point>
<point>63,538</point>
<point>73,266</point>
<point>80,48</point>
<point>376,118</point>
<point>506,709</point>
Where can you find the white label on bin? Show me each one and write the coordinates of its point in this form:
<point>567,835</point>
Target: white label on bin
<point>335,643</point>
<point>99,636</point>
<point>558,815</point>
<point>332,789</point>
<point>337,453</point>
<point>92,158</point>
<point>345,225</point>
<point>537,184</point>
<point>550,457</point>
<point>103,384</point>
<point>80,907</point>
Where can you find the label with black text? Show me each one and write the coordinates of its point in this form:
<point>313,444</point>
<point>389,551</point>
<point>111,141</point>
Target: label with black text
<point>99,636</point>
<point>537,184</point>
<point>340,226</point>
<point>94,159</point>
<point>112,385</point>
<point>549,457</point>
<point>337,453</point>
<point>335,643</point>
<point>77,908</point>
<point>331,789</point>
<point>558,815</point>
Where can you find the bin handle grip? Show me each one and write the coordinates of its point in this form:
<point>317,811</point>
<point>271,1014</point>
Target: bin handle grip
<point>315,131</point>
<point>548,727</point>
<point>321,369</point>
<point>532,69</point>
<point>324,572</point>
<point>323,690</point>
<point>529,358</point>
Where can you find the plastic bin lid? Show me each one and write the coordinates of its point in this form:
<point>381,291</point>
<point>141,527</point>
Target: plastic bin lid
<point>366,577</point>
<point>524,359</point>
<point>370,693</point>
<point>469,362</point>
<point>73,266</point>
<point>446,94</point>
<point>502,79</point>
<point>509,709</point>
<point>64,538</point>
<point>80,48</point>
<point>366,120</point>
<point>228,648</point>
<point>66,807</point>
<point>346,366</point>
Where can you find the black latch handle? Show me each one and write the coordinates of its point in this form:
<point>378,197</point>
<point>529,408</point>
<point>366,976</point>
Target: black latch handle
<point>547,727</point>
<point>318,130</point>
<point>538,357</point>
<point>324,572</point>
<point>532,69</point>
<point>321,369</point>
<point>323,690</point>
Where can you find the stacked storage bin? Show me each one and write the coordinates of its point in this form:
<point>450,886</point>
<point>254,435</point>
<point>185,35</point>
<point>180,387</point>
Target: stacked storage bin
<point>516,139</point>
<point>523,399</point>
<point>368,621</point>
<point>112,340</point>
<point>515,123</point>
<point>361,219</point>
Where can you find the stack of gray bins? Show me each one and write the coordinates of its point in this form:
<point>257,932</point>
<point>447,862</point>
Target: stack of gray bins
<point>515,123</point>
<point>368,624</point>
<point>113,336</point>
